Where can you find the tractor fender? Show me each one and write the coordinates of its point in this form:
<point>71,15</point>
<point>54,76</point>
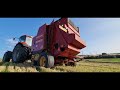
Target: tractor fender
<point>25,45</point>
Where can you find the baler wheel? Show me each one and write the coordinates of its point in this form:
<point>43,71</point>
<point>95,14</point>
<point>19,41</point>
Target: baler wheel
<point>7,56</point>
<point>45,60</point>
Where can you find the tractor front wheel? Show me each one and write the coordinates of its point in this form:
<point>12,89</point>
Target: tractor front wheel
<point>20,54</point>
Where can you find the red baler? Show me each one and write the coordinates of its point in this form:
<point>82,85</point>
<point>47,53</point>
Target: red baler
<point>61,39</point>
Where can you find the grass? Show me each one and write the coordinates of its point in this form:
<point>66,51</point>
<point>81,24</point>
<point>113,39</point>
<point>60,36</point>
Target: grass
<point>91,67</point>
<point>114,60</point>
<point>13,67</point>
<point>88,65</point>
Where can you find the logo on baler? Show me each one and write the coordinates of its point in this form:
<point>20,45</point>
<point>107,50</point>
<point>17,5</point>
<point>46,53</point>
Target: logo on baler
<point>62,28</point>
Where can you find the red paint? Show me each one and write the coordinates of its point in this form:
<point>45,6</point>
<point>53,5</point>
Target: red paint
<point>69,41</point>
<point>39,41</point>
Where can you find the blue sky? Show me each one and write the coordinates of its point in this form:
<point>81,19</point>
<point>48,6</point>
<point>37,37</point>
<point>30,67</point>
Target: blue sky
<point>100,34</point>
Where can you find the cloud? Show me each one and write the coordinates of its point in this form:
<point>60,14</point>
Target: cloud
<point>11,43</point>
<point>2,52</point>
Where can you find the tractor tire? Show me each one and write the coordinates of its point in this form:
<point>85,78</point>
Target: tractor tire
<point>7,56</point>
<point>20,54</point>
<point>46,61</point>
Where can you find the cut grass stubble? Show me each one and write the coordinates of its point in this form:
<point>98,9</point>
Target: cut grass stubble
<point>82,66</point>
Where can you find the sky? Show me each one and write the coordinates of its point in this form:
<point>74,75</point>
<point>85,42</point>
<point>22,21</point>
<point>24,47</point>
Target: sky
<point>100,34</point>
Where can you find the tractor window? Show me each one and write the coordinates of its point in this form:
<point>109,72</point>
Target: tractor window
<point>22,38</point>
<point>29,41</point>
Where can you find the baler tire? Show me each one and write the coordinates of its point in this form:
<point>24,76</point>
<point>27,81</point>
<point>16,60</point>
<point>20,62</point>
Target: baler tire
<point>7,56</point>
<point>20,54</point>
<point>49,60</point>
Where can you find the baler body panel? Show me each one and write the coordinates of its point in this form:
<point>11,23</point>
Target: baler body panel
<point>61,34</point>
<point>39,41</point>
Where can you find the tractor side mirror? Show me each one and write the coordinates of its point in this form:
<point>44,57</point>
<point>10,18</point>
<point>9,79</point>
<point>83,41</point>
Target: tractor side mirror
<point>13,39</point>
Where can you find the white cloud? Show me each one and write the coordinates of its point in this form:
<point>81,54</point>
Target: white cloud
<point>9,45</point>
<point>3,51</point>
<point>11,42</point>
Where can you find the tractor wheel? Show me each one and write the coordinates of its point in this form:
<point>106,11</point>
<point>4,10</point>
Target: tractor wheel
<point>7,56</point>
<point>20,54</point>
<point>46,61</point>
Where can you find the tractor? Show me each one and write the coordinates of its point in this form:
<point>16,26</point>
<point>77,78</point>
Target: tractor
<point>21,52</point>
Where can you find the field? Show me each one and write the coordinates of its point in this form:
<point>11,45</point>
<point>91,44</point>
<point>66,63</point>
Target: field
<point>109,60</point>
<point>88,65</point>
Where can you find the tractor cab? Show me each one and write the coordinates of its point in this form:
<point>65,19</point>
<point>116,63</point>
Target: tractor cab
<point>26,40</point>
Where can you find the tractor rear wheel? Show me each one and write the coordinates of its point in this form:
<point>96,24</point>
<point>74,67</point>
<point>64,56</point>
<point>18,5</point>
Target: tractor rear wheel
<point>20,54</point>
<point>45,60</point>
<point>7,56</point>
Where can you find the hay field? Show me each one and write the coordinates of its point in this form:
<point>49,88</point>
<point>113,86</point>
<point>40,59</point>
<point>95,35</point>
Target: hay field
<point>82,66</point>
